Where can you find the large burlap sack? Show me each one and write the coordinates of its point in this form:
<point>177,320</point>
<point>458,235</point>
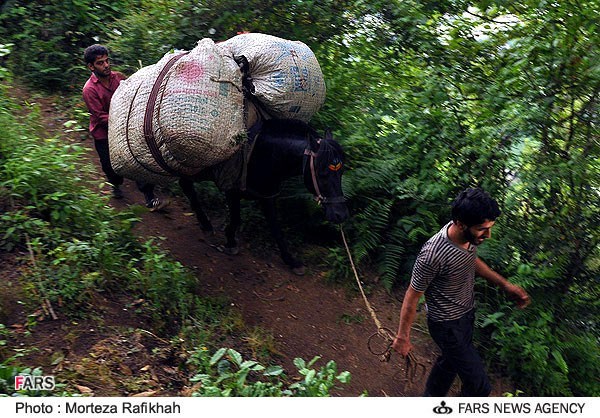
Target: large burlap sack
<point>178,116</point>
<point>286,75</point>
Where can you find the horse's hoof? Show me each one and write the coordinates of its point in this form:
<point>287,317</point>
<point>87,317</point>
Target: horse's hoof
<point>209,238</point>
<point>299,271</point>
<point>232,250</point>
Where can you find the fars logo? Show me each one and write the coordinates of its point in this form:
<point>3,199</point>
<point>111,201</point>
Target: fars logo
<point>442,409</point>
<point>34,383</point>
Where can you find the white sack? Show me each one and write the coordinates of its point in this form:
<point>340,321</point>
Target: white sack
<point>197,120</point>
<point>286,75</point>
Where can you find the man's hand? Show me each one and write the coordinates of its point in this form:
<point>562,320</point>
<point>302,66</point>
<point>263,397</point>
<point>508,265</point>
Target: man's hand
<point>519,295</point>
<point>402,346</point>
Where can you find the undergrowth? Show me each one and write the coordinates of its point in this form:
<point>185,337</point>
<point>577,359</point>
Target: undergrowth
<point>75,247</point>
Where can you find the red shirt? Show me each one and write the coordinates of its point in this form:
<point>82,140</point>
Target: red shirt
<point>97,98</point>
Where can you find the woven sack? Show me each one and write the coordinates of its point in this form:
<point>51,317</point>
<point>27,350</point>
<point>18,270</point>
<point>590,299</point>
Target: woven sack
<point>286,75</point>
<point>178,116</point>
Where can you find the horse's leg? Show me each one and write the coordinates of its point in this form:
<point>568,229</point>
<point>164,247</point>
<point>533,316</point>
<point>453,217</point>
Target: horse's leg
<point>270,211</point>
<point>233,203</point>
<point>187,186</point>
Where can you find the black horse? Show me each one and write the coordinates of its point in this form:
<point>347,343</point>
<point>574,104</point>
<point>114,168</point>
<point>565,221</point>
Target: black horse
<point>281,149</point>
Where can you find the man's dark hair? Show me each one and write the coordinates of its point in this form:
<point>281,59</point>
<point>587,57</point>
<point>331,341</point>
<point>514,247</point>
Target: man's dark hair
<point>94,51</point>
<point>474,207</point>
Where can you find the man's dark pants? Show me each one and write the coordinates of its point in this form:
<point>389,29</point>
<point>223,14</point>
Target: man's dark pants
<point>459,357</point>
<point>113,178</point>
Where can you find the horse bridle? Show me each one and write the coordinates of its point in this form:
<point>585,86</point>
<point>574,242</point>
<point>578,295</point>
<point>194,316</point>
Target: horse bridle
<point>319,198</point>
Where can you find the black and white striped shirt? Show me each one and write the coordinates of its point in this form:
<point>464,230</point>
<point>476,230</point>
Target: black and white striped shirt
<point>446,273</point>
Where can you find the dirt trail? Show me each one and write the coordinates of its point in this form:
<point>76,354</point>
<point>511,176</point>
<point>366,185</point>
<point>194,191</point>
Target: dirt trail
<point>304,314</point>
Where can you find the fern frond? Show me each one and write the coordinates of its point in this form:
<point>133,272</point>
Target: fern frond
<point>373,223</point>
<point>392,262</point>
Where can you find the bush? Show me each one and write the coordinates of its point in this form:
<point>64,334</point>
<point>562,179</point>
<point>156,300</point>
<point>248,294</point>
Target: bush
<point>50,36</point>
<point>225,373</point>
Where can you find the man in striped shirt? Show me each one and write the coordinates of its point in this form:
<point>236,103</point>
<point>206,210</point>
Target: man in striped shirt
<point>444,272</point>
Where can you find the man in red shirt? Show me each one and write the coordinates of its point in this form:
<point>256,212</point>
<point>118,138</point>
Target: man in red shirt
<point>97,92</point>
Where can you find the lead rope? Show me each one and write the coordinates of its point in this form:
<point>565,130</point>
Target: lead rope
<point>412,364</point>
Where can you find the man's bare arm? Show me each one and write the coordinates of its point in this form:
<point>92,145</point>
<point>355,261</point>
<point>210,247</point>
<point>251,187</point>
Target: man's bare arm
<point>517,293</point>
<point>407,316</point>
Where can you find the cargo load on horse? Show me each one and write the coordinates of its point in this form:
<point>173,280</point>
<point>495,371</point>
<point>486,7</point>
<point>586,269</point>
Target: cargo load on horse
<point>284,76</point>
<point>178,116</point>
<point>188,111</point>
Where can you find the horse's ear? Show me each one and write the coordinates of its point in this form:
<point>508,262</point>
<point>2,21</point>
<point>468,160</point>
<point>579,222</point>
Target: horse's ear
<point>328,135</point>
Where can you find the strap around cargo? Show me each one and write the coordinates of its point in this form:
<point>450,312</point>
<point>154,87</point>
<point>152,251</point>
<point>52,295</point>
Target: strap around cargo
<point>148,125</point>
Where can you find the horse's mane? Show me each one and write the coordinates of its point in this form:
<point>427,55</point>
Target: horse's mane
<point>328,150</point>
<point>289,125</point>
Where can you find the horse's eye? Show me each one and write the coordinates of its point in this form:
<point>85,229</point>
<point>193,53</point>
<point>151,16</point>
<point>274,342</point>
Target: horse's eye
<point>335,167</point>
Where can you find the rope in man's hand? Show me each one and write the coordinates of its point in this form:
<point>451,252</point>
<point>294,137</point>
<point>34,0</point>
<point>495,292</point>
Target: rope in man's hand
<point>413,368</point>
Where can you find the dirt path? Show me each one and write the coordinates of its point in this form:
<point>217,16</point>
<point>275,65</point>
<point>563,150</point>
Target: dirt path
<point>304,314</point>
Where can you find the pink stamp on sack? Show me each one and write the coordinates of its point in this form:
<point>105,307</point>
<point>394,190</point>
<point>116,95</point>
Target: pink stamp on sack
<point>191,71</point>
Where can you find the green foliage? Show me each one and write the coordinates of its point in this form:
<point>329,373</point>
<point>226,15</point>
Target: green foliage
<point>7,380</point>
<point>9,369</point>
<point>47,175</point>
<point>226,373</point>
<point>544,361</point>
<point>446,97</point>
<point>50,37</point>
<point>533,349</point>
<point>339,266</point>
<point>513,395</point>
<point>168,286</point>
<point>580,350</point>
<point>146,33</point>
<point>351,319</point>
<point>4,51</point>
<point>77,247</point>
<point>427,98</point>
<point>76,244</point>
<point>317,382</point>
<point>393,221</point>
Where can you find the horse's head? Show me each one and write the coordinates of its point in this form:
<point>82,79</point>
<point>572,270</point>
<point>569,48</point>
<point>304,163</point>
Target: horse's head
<point>323,176</point>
